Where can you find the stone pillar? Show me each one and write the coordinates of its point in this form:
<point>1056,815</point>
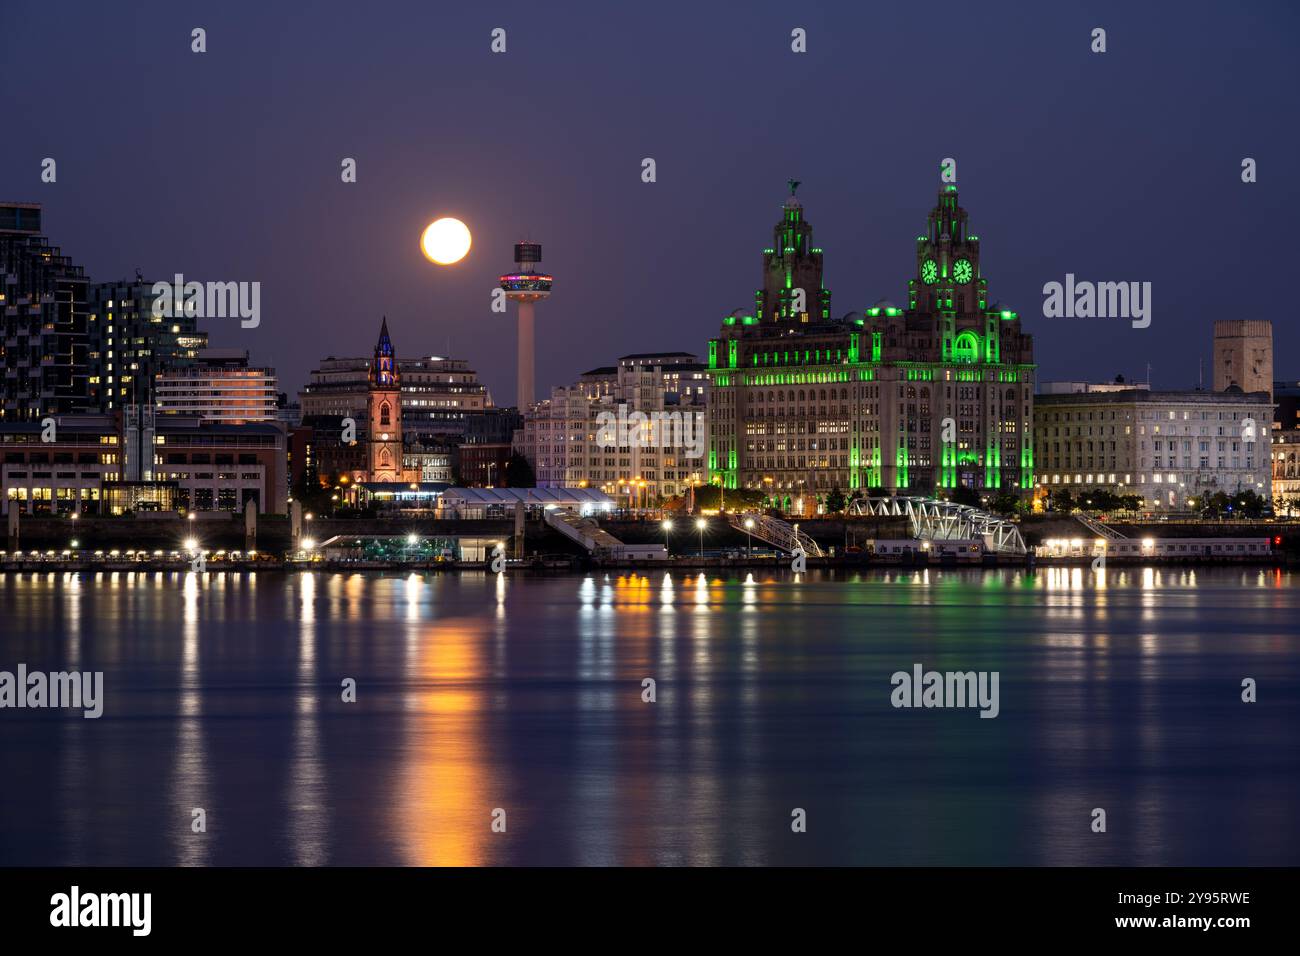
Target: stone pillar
<point>13,526</point>
<point>250,525</point>
<point>519,529</point>
<point>295,526</point>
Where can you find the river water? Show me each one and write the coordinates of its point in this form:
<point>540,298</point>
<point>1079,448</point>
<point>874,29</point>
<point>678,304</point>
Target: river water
<point>519,700</point>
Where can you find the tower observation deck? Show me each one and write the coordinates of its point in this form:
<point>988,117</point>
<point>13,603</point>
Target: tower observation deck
<point>526,286</point>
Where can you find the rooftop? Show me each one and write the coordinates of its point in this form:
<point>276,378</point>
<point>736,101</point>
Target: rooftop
<point>1231,395</point>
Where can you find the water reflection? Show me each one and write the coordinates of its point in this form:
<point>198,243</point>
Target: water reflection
<point>442,801</point>
<point>479,691</point>
<point>189,784</point>
<point>307,797</point>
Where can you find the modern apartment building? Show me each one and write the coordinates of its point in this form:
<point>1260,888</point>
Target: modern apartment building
<point>219,386</point>
<point>129,345</point>
<point>44,366</point>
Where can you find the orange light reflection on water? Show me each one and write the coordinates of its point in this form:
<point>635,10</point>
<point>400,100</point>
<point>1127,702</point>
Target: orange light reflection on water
<point>443,809</point>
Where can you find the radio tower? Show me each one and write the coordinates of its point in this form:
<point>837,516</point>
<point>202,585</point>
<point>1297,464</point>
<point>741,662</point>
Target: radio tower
<point>526,286</point>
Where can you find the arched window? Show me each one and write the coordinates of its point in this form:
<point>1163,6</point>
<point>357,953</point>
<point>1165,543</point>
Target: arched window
<point>966,347</point>
<point>385,414</point>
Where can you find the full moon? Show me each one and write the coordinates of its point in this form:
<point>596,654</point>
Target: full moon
<point>445,241</point>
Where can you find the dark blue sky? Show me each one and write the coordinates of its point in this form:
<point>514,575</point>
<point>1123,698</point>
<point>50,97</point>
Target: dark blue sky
<point>225,165</point>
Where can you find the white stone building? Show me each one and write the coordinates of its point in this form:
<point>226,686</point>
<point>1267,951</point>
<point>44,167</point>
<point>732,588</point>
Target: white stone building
<point>636,431</point>
<point>1173,449</point>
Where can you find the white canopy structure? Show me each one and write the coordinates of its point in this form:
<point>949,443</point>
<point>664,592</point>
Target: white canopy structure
<point>485,502</point>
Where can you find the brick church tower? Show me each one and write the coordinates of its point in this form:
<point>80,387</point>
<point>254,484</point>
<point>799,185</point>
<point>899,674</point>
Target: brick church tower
<point>384,413</point>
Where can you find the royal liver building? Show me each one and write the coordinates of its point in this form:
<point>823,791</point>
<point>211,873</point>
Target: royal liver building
<point>890,401</point>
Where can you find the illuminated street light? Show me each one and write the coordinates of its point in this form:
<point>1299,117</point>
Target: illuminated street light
<point>749,535</point>
<point>701,524</point>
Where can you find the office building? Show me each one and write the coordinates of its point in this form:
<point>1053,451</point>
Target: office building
<point>632,430</point>
<point>438,395</point>
<point>892,400</point>
<point>133,460</point>
<point>1171,448</point>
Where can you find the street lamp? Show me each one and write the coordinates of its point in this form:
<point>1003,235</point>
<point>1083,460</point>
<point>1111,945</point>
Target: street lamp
<point>749,529</point>
<point>701,524</point>
<point>667,526</point>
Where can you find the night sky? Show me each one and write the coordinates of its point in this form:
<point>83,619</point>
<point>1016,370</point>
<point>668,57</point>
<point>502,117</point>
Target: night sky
<point>225,165</point>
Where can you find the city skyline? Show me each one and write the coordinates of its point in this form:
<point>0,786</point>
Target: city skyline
<point>1096,190</point>
<point>793,436</point>
<point>1203,376</point>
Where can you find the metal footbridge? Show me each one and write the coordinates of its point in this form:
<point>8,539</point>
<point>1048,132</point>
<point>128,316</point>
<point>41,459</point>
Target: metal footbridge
<point>775,532</point>
<point>1097,528</point>
<point>585,531</point>
<point>936,520</point>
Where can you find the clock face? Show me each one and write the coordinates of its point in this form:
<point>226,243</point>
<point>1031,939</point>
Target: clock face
<point>962,272</point>
<point>929,272</point>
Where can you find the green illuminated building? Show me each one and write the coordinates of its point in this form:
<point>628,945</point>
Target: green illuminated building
<point>920,400</point>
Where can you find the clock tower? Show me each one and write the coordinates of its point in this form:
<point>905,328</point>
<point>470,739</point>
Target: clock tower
<point>948,262</point>
<point>384,413</point>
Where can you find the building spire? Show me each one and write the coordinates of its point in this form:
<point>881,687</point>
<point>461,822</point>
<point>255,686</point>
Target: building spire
<point>383,372</point>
